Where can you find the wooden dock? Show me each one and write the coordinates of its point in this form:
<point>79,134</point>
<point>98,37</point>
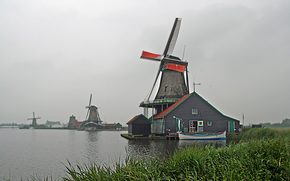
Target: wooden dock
<point>172,136</point>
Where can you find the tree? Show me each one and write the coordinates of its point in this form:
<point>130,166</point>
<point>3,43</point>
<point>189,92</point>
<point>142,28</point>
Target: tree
<point>286,122</point>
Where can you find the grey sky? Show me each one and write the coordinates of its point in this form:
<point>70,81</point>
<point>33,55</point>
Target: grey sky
<point>54,53</point>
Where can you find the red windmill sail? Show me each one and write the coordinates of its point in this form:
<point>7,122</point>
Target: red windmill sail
<point>151,56</point>
<point>175,67</point>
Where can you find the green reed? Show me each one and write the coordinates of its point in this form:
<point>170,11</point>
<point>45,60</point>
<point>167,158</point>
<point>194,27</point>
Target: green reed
<point>267,157</point>
<point>264,133</point>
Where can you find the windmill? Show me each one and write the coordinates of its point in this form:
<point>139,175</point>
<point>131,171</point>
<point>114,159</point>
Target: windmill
<point>34,124</point>
<point>92,118</point>
<point>174,77</point>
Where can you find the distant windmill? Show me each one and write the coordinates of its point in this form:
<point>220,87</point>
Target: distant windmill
<point>34,124</point>
<point>92,118</point>
<point>174,76</point>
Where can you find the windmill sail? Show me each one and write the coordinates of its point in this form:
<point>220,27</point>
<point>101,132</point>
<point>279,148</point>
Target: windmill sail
<point>150,56</point>
<point>155,81</point>
<point>172,37</point>
<point>169,46</point>
<point>175,67</point>
<point>90,101</point>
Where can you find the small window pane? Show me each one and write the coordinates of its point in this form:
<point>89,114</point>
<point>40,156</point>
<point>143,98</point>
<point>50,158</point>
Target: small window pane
<point>209,123</point>
<point>194,111</point>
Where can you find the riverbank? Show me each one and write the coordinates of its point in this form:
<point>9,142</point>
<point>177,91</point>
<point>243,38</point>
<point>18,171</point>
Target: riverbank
<point>262,154</point>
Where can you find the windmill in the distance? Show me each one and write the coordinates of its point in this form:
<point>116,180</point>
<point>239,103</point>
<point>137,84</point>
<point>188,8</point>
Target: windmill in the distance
<point>34,124</point>
<point>174,78</point>
<point>93,120</point>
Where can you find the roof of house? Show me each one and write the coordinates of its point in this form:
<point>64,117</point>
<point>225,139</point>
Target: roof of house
<point>170,108</point>
<point>138,117</point>
<point>214,107</point>
<point>162,114</point>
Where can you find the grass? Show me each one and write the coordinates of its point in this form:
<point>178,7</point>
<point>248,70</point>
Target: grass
<point>250,134</point>
<point>262,154</point>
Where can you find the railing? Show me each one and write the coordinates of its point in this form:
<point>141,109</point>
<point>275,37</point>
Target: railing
<point>160,101</point>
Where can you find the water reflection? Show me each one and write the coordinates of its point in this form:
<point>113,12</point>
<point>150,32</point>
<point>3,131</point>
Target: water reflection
<point>92,153</point>
<point>151,148</point>
<point>93,136</point>
<point>201,143</point>
<point>105,148</point>
<point>147,149</point>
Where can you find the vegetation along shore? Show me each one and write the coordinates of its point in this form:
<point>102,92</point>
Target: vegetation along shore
<point>261,154</point>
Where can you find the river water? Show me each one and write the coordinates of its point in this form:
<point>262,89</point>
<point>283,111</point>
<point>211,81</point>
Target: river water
<point>27,153</point>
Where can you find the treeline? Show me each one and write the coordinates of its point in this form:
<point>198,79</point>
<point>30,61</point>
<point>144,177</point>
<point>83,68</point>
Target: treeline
<point>10,124</point>
<point>283,124</point>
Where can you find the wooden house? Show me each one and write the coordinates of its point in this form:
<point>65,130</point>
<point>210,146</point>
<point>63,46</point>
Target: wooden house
<point>139,125</point>
<point>196,115</point>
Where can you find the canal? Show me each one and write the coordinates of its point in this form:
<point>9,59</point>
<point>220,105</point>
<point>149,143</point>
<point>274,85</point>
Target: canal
<point>27,153</point>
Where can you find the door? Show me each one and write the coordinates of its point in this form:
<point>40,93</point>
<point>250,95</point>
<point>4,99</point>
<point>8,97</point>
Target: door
<point>231,126</point>
<point>192,126</point>
<point>195,126</point>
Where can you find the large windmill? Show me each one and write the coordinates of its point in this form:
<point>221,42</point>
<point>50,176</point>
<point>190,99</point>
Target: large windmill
<point>34,124</point>
<point>174,78</point>
<point>93,119</point>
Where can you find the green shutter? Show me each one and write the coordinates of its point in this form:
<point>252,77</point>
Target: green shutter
<point>231,127</point>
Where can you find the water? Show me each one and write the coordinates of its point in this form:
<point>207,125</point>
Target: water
<point>40,153</point>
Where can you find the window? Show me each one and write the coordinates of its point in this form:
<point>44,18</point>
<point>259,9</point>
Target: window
<point>199,123</point>
<point>200,126</point>
<point>194,111</point>
<point>165,88</point>
<point>209,123</point>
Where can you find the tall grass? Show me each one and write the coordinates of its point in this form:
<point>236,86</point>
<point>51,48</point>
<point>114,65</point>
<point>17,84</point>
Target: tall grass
<point>256,160</point>
<point>266,157</point>
<point>264,133</point>
<point>250,134</point>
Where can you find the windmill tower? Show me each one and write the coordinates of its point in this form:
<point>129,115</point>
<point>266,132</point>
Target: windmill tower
<point>93,119</point>
<point>34,124</point>
<point>174,77</point>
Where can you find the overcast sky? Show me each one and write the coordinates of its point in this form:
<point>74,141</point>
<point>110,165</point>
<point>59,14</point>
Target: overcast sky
<point>54,53</point>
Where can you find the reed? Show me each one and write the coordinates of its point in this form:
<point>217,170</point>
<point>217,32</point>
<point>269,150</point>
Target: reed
<point>255,160</point>
<point>260,159</point>
<point>264,133</point>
